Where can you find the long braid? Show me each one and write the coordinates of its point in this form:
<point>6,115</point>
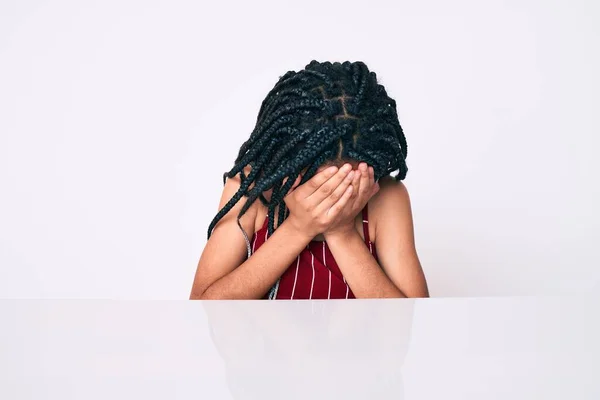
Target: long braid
<point>324,113</point>
<point>243,188</point>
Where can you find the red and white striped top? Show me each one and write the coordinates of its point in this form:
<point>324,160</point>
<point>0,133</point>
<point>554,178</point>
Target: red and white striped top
<point>314,274</point>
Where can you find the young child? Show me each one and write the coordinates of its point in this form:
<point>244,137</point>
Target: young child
<point>319,160</point>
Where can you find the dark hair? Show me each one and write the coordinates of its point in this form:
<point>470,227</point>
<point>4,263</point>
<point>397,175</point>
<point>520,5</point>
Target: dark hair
<point>323,113</point>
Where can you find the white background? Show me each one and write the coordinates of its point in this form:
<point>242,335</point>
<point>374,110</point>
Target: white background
<point>118,118</point>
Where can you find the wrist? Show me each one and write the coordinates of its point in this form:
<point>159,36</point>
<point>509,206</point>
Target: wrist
<point>340,234</point>
<point>293,229</point>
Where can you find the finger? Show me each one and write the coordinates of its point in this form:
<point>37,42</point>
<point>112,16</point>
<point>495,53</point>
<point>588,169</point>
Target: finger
<point>356,185</point>
<point>337,193</point>
<point>337,208</point>
<point>364,179</point>
<point>357,177</point>
<point>375,184</point>
<point>327,188</point>
<point>314,183</point>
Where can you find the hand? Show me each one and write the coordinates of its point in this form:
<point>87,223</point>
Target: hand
<point>364,188</point>
<point>315,205</point>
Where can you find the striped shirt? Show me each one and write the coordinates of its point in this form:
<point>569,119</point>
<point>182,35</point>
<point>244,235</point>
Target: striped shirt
<point>314,274</point>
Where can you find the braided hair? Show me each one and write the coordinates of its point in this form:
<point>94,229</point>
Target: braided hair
<point>325,113</point>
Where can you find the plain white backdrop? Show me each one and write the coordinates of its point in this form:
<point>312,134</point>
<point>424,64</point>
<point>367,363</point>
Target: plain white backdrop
<point>118,118</point>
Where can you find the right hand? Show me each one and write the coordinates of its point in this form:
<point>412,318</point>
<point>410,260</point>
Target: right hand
<point>315,205</point>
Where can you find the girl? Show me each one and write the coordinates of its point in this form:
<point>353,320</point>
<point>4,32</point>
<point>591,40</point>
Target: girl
<point>334,131</point>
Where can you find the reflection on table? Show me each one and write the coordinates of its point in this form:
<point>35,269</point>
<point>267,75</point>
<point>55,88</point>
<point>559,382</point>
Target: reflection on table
<point>300,350</point>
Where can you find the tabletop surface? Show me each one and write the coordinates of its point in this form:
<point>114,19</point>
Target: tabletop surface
<point>486,348</point>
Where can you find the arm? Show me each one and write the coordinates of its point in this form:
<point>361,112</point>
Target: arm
<point>255,276</point>
<point>362,272</point>
<point>223,271</point>
<point>314,206</point>
<point>396,240</point>
<point>399,272</point>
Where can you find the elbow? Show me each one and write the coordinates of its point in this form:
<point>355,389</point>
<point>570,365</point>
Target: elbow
<point>412,293</point>
<point>419,294</point>
<point>196,295</point>
<point>203,294</point>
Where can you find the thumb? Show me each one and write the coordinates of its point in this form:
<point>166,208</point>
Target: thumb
<point>375,188</point>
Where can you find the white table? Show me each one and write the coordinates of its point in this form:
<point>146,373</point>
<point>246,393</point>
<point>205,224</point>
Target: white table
<point>492,348</point>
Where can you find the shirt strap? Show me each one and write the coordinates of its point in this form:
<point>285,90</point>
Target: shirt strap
<point>365,222</point>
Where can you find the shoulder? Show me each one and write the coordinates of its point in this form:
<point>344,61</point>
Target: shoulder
<point>390,191</point>
<point>390,204</point>
<point>233,184</point>
<point>231,187</point>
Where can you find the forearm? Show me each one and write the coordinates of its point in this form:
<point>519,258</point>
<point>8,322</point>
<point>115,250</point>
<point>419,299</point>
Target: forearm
<point>255,276</point>
<point>360,269</point>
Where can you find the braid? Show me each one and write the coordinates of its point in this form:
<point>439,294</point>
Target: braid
<point>324,113</point>
<point>244,159</point>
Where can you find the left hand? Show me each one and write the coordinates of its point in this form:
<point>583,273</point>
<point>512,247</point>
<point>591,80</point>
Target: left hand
<point>364,188</point>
